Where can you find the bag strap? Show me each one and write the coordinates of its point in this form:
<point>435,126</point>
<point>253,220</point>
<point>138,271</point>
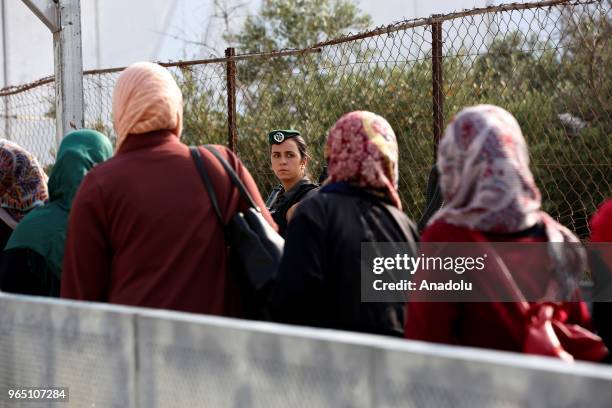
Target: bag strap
<point>408,229</point>
<point>434,201</point>
<point>7,219</point>
<point>233,176</point>
<point>197,158</point>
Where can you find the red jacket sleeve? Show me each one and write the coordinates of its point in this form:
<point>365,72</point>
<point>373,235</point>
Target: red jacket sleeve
<point>87,255</point>
<point>430,321</point>
<point>601,223</point>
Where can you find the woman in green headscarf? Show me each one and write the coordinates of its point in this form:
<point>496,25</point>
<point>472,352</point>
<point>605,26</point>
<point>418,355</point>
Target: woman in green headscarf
<point>32,262</point>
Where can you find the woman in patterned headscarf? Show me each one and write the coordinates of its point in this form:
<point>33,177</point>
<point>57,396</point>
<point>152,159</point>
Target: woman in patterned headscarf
<point>490,196</point>
<point>23,186</point>
<point>318,281</point>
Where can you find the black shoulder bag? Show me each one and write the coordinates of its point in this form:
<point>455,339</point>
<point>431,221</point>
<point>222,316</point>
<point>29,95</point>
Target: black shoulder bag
<point>255,248</point>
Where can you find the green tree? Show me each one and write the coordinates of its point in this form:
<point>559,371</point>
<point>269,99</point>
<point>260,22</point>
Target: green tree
<point>540,82</point>
<point>284,24</point>
<point>204,107</point>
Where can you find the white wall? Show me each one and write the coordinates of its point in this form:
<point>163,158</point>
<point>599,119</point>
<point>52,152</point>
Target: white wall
<point>129,32</point>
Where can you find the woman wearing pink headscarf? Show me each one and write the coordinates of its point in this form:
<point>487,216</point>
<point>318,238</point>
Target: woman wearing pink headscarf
<point>142,229</point>
<point>319,282</point>
<point>490,196</point>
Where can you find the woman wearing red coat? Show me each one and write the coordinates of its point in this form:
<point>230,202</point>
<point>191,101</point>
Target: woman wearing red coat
<point>601,236</point>
<point>142,230</point>
<point>490,196</point>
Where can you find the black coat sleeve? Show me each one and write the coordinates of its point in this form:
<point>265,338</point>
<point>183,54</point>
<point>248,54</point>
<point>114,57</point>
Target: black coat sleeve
<point>300,278</point>
<point>24,271</point>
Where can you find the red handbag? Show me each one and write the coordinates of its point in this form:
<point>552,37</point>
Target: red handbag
<point>548,334</point>
<point>541,327</point>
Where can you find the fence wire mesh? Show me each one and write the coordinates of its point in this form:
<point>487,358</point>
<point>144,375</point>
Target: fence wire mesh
<point>548,67</point>
<point>98,97</point>
<point>544,62</point>
<point>28,118</point>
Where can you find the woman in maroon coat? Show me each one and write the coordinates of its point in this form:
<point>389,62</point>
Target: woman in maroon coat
<point>142,230</point>
<point>490,196</point>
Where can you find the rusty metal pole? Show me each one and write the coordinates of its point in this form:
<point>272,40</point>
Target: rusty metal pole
<point>231,99</point>
<point>437,84</point>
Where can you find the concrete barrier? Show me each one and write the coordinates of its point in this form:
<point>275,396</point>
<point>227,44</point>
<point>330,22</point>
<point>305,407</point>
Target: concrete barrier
<point>115,356</point>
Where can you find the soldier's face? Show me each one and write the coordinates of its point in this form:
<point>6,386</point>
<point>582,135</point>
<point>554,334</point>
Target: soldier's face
<point>287,163</point>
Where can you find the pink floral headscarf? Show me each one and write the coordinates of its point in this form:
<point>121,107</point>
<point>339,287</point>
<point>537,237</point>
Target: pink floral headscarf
<point>485,178</point>
<point>362,149</point>
<point>23,183</point>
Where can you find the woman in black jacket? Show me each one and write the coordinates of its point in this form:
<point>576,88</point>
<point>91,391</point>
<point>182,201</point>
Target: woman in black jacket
<point>319,280</point>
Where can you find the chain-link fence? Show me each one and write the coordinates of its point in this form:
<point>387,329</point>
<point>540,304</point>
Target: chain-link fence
<point>545,62</point>
<point>28,118</point>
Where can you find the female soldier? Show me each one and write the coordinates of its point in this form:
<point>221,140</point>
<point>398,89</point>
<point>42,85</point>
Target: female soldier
<point>289,159</point>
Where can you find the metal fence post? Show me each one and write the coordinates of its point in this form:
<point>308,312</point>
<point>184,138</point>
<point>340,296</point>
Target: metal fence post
<point>63,18</point>
<point>231,99</point>
<point>68,69</point>
<point>437,84</point>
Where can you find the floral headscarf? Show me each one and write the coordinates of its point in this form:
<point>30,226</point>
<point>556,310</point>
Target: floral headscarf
<point>487,186</point>
<point>23,183</point>
<point>362,149</point>
<point>485,178</point>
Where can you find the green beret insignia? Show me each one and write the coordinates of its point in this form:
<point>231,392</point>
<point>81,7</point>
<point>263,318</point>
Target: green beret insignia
<point>279,136</point>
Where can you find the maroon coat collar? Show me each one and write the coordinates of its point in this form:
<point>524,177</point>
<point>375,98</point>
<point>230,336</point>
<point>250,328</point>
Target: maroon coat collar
<point>147,140</point>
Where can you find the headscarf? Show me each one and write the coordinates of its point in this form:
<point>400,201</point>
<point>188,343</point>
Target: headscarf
<point>146,98</point>
<point>485,178</point>
<point>44,229</point>
<point>487,185</point>
<point>362,149</point>
<point>23,183</point>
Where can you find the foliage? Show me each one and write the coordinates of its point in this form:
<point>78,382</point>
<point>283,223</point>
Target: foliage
<point>534,77</point>
<point>204,113</point>
<point>283,24</point>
